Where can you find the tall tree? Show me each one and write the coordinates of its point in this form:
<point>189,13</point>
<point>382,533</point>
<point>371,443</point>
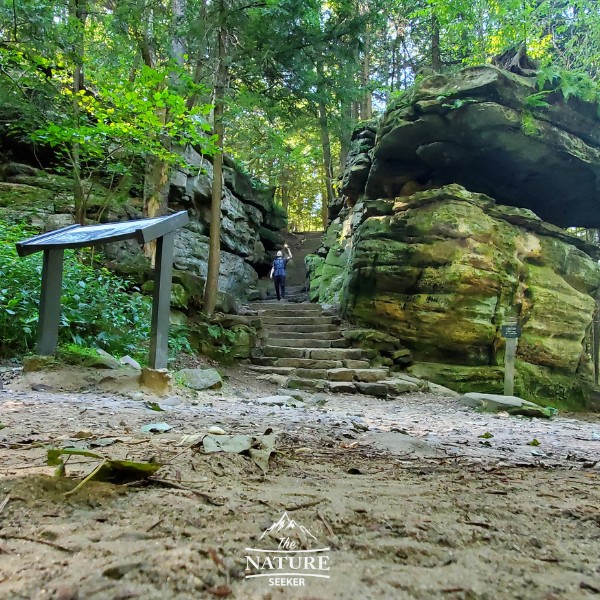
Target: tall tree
<point>214,257</point>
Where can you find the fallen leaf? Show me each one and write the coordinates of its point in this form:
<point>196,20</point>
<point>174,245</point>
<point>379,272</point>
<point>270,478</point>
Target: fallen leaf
<point>54,454</point>
<point>119,571</point>
<point>220,591</point>
<point>258,449</point>
<point>154,406</point>
<point>486,436</point>
<point>216,558</point>
<point>111,471</point>
<point>227,443</point>
<point>190,439</point>
<point>216,430</point>
<point>156,428</point>
<point>348,445</point>
<point>103,442</point>
<point>533,442</point>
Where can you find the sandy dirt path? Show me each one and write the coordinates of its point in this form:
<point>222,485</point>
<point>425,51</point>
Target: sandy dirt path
<point>408,499</point>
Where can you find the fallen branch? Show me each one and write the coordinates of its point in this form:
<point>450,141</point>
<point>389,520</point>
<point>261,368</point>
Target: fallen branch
<point>4,502</point>
<point>10,536</point>
<point>294,507</point>
<point>326,523</point>
<point>174,485</point>
<point>155,524</point>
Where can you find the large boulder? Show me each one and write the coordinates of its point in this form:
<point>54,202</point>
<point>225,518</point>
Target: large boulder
<point>478,127</point>
<point>250,219</point>
<point>236,276</point>
<point>441,270</point>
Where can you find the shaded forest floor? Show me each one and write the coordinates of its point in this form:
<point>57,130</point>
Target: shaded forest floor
<point>410,499</point>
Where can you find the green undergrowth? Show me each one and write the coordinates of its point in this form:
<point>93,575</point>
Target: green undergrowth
<point>99,309</point>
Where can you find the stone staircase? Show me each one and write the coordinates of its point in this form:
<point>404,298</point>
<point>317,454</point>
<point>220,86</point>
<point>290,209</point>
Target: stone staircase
<point>304,349</point>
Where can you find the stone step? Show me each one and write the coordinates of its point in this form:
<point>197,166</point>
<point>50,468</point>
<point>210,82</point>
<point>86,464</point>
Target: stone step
<point>304,343</point>
<point>296,320</point>
<point>314,385</point>
<point>308,363</point>
<point>331,374</point>
<point>268,305</point>
<point>379,389</point>
<point>339,387</point>
<point>301,335</point>
<point>356,364</point>
<point>301,328</point>
<point>317,353</point>
<point>272,370</point>
<point>310,373</point>
<point>301,311</point>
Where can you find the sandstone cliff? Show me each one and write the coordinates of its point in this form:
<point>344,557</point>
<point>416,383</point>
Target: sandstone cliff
<point>250,221</point>
<point>441,265</point>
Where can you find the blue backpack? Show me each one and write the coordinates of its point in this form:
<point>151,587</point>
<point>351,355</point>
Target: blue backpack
<point>279,267</point>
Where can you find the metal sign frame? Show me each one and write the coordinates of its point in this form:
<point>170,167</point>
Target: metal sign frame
<point>54,243</point>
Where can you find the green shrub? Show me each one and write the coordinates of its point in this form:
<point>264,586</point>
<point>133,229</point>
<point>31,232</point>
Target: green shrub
<point>98,309</point>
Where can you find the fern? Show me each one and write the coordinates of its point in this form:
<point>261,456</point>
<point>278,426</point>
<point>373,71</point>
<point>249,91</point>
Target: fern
<point>570,84</point>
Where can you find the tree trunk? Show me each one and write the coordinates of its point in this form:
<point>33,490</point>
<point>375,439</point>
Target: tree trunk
<point>177,43</point>
<point>345,132</point>
<point>436,57</point>
<point>214,255</point>
<point>367,101</point>
<point>156,189</point>
<point>78,12</point>
<point>284,186</point>
<point>326,145</point>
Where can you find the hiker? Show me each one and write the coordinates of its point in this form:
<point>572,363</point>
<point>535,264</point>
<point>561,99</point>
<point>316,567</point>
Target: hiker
<point>278,272</point>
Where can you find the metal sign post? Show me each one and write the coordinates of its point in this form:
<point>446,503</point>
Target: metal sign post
<point>511,332</point>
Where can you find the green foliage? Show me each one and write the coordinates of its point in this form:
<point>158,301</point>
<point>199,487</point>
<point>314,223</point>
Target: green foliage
<point>537,100</point>
<point>529,125</point>
<point>569,84</point>
<point>459,103</point>
<point>98,308</point>
<point>125,119</point>
<point>76,355</point>
<point>222,343</point>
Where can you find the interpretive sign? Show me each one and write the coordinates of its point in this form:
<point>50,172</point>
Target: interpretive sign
<point>510,330</point>
<point>54,243</point>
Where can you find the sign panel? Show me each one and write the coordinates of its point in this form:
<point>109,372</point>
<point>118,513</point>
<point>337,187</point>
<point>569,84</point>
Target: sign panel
<point>510,330</point>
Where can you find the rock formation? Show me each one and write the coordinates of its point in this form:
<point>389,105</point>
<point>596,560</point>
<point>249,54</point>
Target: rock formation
<point>480,128</point>
<point>450,224</point>
<point>250,221</point>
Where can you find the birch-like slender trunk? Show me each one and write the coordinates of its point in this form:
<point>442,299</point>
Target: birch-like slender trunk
<point>214,255</point>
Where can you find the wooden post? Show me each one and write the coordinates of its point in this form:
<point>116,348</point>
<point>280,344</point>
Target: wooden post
<point>511,333</point>
<point>596,338</point>
<point>47,334</point>
<point>161,303</point>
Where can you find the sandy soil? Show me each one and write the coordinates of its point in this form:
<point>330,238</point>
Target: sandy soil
<point>410,501</point>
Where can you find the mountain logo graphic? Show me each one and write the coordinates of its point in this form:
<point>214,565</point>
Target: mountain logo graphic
<point>293,562</point>
<point>285,526</point>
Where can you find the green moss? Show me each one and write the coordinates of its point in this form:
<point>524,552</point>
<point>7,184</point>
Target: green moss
<point>529,125</point>
<point>532,382</point>
<point>489,380</point>
<point>544,386</point>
